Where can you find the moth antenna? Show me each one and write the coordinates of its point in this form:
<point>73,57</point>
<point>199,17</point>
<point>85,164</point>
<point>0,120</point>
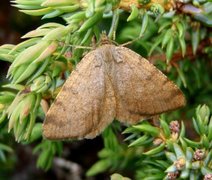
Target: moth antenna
<point>75,46</point>
<point>81,47</point>
<point>114,42</point>
<point>132,41</point>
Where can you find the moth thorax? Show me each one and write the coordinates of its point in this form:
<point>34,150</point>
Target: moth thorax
<point>107,54</point>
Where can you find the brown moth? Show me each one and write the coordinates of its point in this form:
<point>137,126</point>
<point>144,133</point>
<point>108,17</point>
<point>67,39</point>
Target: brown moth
<point>109,82</point>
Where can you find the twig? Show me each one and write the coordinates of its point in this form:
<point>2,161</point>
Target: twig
<point>178,55</point>
<point>74,169</point>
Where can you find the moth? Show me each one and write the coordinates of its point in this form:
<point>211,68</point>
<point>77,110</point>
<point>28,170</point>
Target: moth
<point>110,82</point>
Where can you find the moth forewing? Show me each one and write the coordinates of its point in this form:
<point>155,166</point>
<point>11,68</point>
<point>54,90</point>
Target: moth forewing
<point>110,82</point>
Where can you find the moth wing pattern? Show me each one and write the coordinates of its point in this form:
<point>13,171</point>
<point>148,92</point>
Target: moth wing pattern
<point>141,89</point>
<point>109,82</point>
<point>84,106</point>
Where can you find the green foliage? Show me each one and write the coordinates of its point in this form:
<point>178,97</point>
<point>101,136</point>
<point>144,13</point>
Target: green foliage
<point>3,149</point>
<point>162,151</point>
<point>175,37</point>
<point>118,177</point>
<point>48,150</point>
